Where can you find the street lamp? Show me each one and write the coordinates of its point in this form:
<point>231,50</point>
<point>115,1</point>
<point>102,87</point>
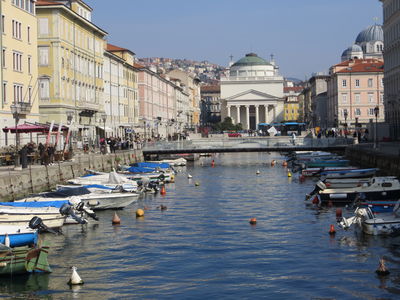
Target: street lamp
<point>104,118</point>
<point>16,112</point>
<point>345,122</point>
<point>376,111</point>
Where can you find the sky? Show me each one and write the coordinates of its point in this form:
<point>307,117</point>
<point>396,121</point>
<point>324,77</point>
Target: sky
<point>305,36</point>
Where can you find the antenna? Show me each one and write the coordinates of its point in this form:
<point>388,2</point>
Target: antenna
<point>231,57</point>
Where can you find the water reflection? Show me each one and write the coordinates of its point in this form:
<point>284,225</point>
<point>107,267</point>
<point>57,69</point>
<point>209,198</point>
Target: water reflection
<point>25,286</point>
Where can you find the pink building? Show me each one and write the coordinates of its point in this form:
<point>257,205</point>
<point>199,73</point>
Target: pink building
<point>157,103</point>
<point>355,89</point>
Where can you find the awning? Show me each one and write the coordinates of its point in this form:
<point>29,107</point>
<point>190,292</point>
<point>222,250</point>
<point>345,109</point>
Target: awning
<point>107,129</point>
<point>32,128</point>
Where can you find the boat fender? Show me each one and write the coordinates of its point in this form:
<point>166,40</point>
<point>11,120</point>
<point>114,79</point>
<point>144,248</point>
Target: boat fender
<point>321,185</point>
<point>93,202</point>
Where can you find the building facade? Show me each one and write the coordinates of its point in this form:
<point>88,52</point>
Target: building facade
<point>292,106</point>
<point>71,62</point>
<point>19,74</point>
<point>210,105</point>
<point>319,100</point>
<point>120,91</point>
<point>391,19</point>
<point>253,92</point>
<point>355,89</point>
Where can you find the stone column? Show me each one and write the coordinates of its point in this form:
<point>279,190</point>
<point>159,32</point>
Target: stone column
<point>228,107</point>
<point>237,114</point>
<point>248,117</point>
<point>266,114</point>
<point>274,113</point>
<point>257,116</point>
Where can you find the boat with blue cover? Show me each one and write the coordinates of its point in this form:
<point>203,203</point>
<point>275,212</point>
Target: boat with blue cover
<point>318,163</point>
<point>18,236</point>
<point>356,173</point>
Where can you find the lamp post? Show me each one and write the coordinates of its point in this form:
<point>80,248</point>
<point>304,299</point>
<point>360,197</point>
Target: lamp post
<point>345,123</point>
<point>376,111</point>
<point>16,111</point>
<point>104,118</point>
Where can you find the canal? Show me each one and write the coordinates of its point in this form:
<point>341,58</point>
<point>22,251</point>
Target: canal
<point>203,247</point>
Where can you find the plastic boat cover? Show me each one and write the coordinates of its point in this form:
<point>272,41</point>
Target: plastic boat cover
<point>56,204</point>
<point>140,170</point>
<point>65,192</point>
<point>151,165</point>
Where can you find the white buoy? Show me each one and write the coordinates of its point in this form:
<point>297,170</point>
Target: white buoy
<point>7,240</point>
<point>258,172</point>
<point>75,278</point>
<point>190,176</point>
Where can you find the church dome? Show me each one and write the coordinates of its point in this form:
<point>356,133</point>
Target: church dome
<point>352,49</point>
<point>372,33</point>
<point>251,59</point>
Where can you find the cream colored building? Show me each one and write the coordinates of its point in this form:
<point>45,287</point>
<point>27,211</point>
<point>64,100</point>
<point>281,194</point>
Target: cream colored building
<point>252,93</point>
<point>120,91</point>
<point>71,61</point>
<point>19,66</point>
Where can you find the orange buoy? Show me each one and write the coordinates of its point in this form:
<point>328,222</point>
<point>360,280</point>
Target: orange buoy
<point>213,164</point>
<point>273,163</point>
<point>253,221</point>
<point>163,191</point>
<point>284,164</point>
<point>382,271</point>
<point>116,220</point>
<point>332,230</point>
<point>338,213</point>
<point>139,213</point>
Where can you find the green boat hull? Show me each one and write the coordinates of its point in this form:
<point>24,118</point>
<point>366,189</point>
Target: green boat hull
<point>23,260</point>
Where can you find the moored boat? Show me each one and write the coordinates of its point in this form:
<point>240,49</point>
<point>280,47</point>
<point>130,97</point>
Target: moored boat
<point>18,235</point>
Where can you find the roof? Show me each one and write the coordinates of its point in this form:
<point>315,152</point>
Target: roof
<point>210,89</point>
<point>138,66</point>
<point>48,2</point>
<point>251,59</point>
<point>113,48</point>
<point>361,66</point>
<point>370,34</point>
<point>296,89</point>
<point>352,49</point>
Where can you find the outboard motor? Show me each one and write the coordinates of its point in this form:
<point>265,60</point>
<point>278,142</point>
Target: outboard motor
<point>318,187</point>
<point>36,223</point>
<point>81,207</point>
<point>66,210</point>
<point>153,186</point>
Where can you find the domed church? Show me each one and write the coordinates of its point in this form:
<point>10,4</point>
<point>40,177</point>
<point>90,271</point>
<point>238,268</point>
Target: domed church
<point>368,44</point>
<point>252,92</point>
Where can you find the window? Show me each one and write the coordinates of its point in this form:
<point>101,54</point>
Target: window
<point>17,61</point>
<point>28,33</point>
<point>4,92</point>
<point>357,112</point>
<point>30,94</point>
<point>16,29</point>
<point>344,98</point>
<point>370,82</point>
<point>370,98</point>
<point>43,26</point>
<point>357,98</point>
<point>344,83</point>
<point>382,97</point>
<point>344,112</point>
<point>357,82</point>
<point>371,112</point>
<point>3,58</point>
<point>43,56</point>
<point>3,23</point>
<point>17,93</point>
<point>29,64</point>
<point>44,88</point>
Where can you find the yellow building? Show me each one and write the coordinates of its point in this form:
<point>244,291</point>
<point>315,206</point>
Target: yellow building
<point>71,58</point>
<point>292,106</point>
<point>19,66</point>
<point>120,91</point>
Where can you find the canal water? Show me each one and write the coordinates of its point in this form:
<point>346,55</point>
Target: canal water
<point>203,247</point>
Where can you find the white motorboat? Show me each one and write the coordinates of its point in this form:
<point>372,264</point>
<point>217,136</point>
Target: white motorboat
<point>21,216</point>
<point>112,180</point>
<point>385,224</point>
<point>356,173</point>
<point>173,162</point>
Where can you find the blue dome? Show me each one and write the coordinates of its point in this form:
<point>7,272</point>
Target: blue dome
<point>372,33</point>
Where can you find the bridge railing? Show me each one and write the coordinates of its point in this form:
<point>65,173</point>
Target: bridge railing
<point>284,143</point>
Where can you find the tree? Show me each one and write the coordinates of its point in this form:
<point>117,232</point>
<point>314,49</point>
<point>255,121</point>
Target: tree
<point>227,125</point>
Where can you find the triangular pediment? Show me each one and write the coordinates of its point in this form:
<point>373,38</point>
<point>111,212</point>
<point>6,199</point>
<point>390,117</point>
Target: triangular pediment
<point>252,95</point>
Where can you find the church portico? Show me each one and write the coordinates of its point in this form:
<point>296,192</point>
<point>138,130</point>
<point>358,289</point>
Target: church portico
<point>255,100</point>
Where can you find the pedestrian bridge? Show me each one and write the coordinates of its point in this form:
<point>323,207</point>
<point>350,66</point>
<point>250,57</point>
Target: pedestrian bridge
<point>249,144</point>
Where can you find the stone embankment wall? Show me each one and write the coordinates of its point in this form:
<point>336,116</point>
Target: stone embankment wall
<point>388,164</point>
<point>36,179</point>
